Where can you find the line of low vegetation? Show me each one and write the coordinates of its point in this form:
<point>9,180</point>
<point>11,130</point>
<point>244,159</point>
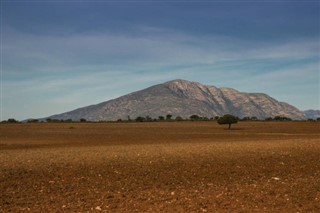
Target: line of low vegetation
<point>166,118</point>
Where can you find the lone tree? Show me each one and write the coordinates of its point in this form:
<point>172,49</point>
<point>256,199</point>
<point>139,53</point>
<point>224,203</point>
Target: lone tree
<point>227,119</point>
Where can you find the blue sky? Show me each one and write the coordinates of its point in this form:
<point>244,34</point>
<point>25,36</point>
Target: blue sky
<point>60,55</point>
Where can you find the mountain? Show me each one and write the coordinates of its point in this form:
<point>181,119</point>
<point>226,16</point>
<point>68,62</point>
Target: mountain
<point>312,114</point>
<point>184,98</point>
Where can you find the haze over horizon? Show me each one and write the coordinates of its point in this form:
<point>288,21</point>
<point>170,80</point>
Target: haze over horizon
<point>57,56</point>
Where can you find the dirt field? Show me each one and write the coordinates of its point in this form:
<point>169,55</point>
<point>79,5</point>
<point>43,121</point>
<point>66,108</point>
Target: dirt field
<point>160,167</point>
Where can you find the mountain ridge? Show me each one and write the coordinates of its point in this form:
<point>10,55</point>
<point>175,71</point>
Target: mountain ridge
<point>184,98</point>
<point>312,114</point>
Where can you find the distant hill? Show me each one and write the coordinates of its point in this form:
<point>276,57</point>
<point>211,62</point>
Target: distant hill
<point>312,114</point>
<point>184,98</point>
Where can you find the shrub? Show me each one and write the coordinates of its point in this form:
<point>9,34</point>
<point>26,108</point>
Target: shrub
<point>161,118</point>
<point>140,119</point>
<point>194,117</point>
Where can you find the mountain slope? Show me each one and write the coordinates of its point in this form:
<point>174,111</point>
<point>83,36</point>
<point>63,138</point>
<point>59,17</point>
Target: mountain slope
<point>312,114</point>
<point>184,98</point>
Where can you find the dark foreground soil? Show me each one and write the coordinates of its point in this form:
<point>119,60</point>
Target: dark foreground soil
<point>160,167</point>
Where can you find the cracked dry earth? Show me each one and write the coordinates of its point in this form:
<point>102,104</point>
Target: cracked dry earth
<point>160,167</point>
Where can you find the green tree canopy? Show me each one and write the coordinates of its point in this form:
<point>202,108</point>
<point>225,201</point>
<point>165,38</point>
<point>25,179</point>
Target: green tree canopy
<point>194,117</point>
<point>140,119</point>
<point>161,118</point>
<point>227,119</point>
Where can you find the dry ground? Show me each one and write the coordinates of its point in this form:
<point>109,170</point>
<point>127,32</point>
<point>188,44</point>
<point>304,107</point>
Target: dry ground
<point>160,167</point>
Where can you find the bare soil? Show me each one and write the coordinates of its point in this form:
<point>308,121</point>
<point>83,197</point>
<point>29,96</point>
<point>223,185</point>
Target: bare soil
<point>160,167</point>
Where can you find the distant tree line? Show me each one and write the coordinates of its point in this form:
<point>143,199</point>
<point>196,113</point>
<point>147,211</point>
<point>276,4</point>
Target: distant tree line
<point>160,118</point>
<point>169,117</point>
<point>10,120</point>
<point>278,118</point>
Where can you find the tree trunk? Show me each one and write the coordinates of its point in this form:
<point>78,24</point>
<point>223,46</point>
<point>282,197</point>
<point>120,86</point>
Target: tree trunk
<point>229,126</point>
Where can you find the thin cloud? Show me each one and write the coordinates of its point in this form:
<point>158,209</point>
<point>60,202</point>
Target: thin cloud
<point>37,52</point>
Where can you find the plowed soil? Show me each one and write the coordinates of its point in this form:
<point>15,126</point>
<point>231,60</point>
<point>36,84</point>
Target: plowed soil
<point>160,167</point>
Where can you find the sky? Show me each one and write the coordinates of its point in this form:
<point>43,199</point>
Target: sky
<point>57,56</point>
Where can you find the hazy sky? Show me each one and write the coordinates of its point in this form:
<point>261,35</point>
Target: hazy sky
<point>62,55</point>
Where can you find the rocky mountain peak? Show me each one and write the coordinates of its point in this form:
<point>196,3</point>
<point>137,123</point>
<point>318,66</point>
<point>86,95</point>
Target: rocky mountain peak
<point>185,98</point>
<point>190,89</point>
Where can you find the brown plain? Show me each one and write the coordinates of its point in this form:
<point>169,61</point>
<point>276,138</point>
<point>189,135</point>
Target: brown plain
<point>160,167</point>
